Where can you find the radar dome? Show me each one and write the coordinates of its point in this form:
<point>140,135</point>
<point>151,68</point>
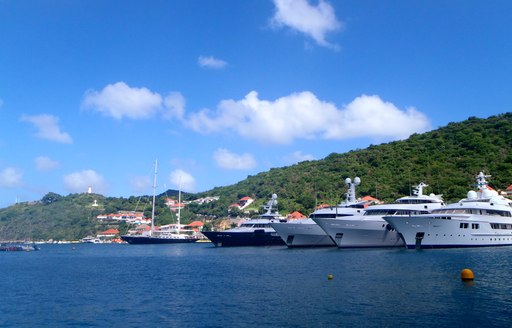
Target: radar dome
<point>348,181</point>
<point>472,194</point>
<point>357,181</point>
<point>486,193</point>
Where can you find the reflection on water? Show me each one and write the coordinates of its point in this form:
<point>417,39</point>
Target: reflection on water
<point>198,285</point>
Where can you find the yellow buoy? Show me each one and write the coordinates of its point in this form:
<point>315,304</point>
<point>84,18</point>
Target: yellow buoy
<point>467,275</point>
<point>330,276</point>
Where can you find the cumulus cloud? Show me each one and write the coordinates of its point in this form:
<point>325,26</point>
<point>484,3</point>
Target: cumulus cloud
<point>313,21</point>
<point>119,100</point>
<point>228,160</point>
<point>141,184</point>
<point>297,157</point>
<point>11,177</point>
<point>174,105</point>
<point>180,178</point>
<point>44,163</point>
<point>211,62</point>
<point>79,182</point>
<point>48,127</point>
<point>303,116</point>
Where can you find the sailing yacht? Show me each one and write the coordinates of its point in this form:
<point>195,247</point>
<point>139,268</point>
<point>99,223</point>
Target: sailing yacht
<point>306,233</point>
<point>483,218</point>
<point>161,237</point>
<point>370,229</point>
<point>254,232</point>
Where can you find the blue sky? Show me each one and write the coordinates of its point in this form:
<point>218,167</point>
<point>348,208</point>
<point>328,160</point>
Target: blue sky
<point>93,91</point>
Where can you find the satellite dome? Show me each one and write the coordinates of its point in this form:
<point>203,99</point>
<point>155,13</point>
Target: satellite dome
<point>486,193</point>
<point>472,194</point>
<point>348,181</point>
<point>357,181</point>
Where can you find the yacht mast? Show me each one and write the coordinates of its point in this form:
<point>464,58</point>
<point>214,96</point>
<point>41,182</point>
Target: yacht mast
<point>179,206</point>
<point>154,197</point>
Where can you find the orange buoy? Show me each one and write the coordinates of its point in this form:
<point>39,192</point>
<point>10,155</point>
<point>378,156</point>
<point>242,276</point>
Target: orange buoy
<point>467,275</point>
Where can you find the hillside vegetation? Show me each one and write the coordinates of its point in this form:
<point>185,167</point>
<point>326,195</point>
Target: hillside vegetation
<point>447,159</point>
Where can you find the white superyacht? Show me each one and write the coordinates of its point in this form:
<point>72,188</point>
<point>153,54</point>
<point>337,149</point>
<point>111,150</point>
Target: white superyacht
<point>306,233</point>
<point>483,218</point>
<point>370,229</point>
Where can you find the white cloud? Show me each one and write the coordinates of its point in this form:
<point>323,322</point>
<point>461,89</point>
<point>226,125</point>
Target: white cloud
<point>119,100</point>
<point>44,163</point>
<point>141,184</point>
<point>228,160</point>
<point>180,178</point>
<point>211,62</point>
<point>303,116</point>
<point>297,157</point>
<point>370,116</point>
<point>48,127</point>
<point>79,182</point>
<point>314,21</point>
<point>174,105</point>
<point>11,177</point>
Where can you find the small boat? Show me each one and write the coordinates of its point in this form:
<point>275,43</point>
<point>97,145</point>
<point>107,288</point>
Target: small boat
<point>370,229</point>
<point>306,233</point>
<point>254,232</point>
<point>15,247</point>
<point>483,218</point>
<point>161,237</point>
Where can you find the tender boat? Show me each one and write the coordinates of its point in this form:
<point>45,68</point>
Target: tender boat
<point>254,232</point>
<point>18,247</point>
<point>483,218</point>
<point>370,229</point>
<point>306,233</point>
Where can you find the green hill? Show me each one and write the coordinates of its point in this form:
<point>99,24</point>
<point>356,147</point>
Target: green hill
<point>447,159</point>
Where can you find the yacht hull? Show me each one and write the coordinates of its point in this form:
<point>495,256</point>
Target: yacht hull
<point>253,238</point>
<point>302,234</point>
<point>145,240</point>
<point>438,232</point>
<point>360,233</point>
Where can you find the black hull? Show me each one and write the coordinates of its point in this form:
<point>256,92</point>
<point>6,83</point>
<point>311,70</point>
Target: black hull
<point>144,240</point>
<point>225,238</point>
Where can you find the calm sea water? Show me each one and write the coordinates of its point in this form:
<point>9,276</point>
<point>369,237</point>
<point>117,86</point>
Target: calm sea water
<point>198,285</point>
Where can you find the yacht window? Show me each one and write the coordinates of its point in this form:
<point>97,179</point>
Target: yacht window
<point>325,216</point>
<point>381,212</point>
<point>475,226</point>
<point>498,213</point>
<point>464,225</point>
<point>414,201</point>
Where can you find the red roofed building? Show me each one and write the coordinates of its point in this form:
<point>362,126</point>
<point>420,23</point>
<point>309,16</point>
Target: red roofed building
<point>196,225</point>
<point>371,200</point>
<point>107,235</point>
<point>508,191</point>
<point>296,216</point>
<point>242,203</point>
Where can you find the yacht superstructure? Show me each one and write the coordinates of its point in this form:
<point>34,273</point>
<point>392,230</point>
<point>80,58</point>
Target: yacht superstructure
<point>254,232</point>
<point>483,218</point>
<point>306,233</point>
<point>370,229</point>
